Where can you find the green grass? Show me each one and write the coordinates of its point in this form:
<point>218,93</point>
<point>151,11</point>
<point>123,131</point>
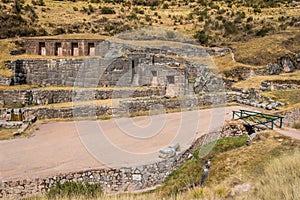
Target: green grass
<point>72,189</point>
<point>191,172</point>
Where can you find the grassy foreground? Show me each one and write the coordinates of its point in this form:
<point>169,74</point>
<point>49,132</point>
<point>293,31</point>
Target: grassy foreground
<point>269,166</point>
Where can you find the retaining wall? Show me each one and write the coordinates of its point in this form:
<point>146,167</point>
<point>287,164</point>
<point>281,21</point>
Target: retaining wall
<point>44,97</point>
<point>125,107</point>
<point>291,117</point>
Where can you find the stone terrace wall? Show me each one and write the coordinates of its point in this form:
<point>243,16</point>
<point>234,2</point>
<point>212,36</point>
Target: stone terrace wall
<point>291,117</point>
<point>172,103</point>
<point>126,106</point>
<point>280,85</point>
<point>43,97</point>
<point>4,80</point>
<point>112,180</point>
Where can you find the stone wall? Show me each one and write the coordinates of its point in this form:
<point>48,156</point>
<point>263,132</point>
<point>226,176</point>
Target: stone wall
<point>126,106</point>
<point>137,104</point>
<point>5,80</point>
<point>132,106</point>
<point>44,97</point>
<point>93,72</point>
<point>291,117</point>
<point>280,85</point>
<point>253,98</point>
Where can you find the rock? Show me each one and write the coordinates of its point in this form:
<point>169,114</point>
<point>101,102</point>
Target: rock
<point>136,177</point>
<point>263,105</point>
<point>274,105</point>
<point>174,145</point>
<point>280,104</point>
<point>287,64</point>
<point>269,107</point>
<point>239,189</point>
<point>167,153</point>
<point>274,69</point>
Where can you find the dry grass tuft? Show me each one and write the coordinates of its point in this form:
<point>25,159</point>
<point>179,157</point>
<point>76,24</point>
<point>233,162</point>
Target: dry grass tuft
<point>255,82</point>
<point>280,180</point>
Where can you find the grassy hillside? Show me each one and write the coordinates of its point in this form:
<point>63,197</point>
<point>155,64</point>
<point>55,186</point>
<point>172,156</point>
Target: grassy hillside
<point>210,21</point>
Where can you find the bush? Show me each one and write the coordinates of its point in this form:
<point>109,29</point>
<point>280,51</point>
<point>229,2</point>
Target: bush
<point>38,3</point>
<point>132,16</point>
<point>107,10</point>
<point>71,189</point>
<point>257,10</point>
<point>91,9</point>
<point>138,11</point>
<point>146,2</point>
<point>165,6</point>
<point>230,28</point>
<point>201,37</point>
<point>148,18</point>
<point>296,125</point>
<point>263,31</point>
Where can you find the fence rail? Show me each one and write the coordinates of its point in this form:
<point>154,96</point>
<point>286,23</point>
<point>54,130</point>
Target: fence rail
<point>255,118</point>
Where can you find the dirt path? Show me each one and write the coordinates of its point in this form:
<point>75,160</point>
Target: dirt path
<point>290,132</point>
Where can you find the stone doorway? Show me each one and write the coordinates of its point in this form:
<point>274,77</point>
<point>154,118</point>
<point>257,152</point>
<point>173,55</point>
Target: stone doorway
<point>58,49</point>
<point>75,49</point>
<point>91,49</point>
<point>42,48</point>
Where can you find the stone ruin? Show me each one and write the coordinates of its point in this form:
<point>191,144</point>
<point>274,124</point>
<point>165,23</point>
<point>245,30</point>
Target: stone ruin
<point>163,66</point>
<point>16,118</point>
<point>61,47</point>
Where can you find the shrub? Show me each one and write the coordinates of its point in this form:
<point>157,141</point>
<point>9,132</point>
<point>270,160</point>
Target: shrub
<point>165,6</point>
<point>263,31</point>
<point>230,28</point>
<point>257,10</point>
<point>148,18</point>
<point>201,37</point>
<point>75,8</point>
<point>138,11</point>
<point>249,19</point>
<point>38,3</point>
<point>107,10</point>
<point>91,8</point>
<point>219,17</point>
<point>71,189</point>
<point>132,16</point>
<point>146,2</point>
<point>296,125</point>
